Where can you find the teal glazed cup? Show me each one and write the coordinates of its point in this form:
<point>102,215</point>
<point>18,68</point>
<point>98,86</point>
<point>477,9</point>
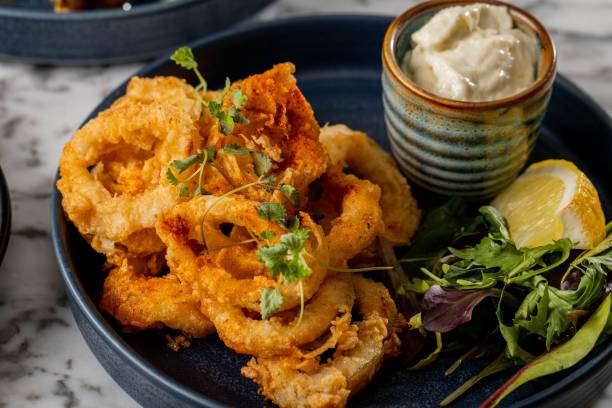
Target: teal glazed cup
<point>470,149</point>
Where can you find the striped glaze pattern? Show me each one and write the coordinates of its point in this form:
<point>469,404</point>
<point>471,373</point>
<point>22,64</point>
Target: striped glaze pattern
<point>459,148</point>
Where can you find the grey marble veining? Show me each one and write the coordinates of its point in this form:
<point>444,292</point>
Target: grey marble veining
<point>44,362</point>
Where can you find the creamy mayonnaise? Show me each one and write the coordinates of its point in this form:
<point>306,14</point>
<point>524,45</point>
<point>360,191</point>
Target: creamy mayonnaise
<point>472,53</point>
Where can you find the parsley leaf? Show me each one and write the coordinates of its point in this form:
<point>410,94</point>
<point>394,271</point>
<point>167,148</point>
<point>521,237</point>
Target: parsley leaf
<point>184,58</point>
<point>291,193</point>
<point>271,211</point>
<point>271,301</point>
<point>267,234</point>
<point>287,256</point>
<point>226,123</point>
<point>233,148</point>
<point>239,99</point>
<point>184,164</point>
<point>292,224</point>
<point>261,163</point>
<point>171,177</point>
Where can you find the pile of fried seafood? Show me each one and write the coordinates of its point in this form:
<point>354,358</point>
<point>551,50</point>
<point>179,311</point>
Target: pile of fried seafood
<point>257,233</point>
<point>76,5</point>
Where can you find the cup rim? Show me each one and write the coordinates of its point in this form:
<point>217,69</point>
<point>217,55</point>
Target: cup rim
<point>391,63</point>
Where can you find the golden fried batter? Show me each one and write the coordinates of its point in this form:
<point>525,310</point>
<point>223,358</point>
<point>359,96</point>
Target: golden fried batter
<point>108,209</point>
<point>141,301</point>
<point>367,160</point>
<point>293,381</point>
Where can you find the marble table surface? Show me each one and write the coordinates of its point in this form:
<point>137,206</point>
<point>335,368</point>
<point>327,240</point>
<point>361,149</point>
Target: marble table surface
<point>44,362</point>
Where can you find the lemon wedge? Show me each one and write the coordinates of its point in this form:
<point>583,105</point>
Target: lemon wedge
<point>552,199</point>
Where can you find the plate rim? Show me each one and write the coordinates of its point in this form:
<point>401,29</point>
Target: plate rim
<point>99,14</point>
<point>86,306</point>
<point>5,215</point>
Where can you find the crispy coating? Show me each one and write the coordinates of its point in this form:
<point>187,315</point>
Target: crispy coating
<point>181,231</point>
<point>281,125</point>
<point>162,90</point>
<point>113,209</point>
<point>295,381</point>
<point>140,301</point>
<point>281,335</point>
<point>192,263</point>
<point>353,217</point>
<point>367,160</point>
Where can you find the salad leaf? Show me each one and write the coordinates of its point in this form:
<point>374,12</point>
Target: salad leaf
<point>431,357</point>
<point>564,356</point>
<point>498,227</point>
<point>498,365</point>
<point>443,310</point>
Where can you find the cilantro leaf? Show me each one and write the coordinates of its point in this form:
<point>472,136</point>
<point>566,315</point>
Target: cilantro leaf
<point>214,108</point>
<point>171,177</point>
<point>273,257</point>
<point>184,57</point>
<point>268,182</point>
<point>238,98</point>
<point>226,123</point>
<point>184,164</point>
<point>267,234</point>
<point>233,148</point>
<point>184,191</point>
<point>287,256</point>
<point>291,224</point>
<point>271,302</point>
<point>271,211</point>
<point>240,118</point>
<point>291,193</point>
<point>201,191</point>
<point>261,163</point>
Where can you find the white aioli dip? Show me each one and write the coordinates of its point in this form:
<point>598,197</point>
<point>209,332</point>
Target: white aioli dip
<point>472,53</point>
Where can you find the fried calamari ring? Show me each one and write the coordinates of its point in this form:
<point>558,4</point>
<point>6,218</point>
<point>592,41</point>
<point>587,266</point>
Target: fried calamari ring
<point>162,90</point>
<point>367,160</point>
<point>293,381</point>
<point>281,126</point>
<point>140,301</point>
<point>276,336</point>
<point>120,215</point>
<point>181,231</point>
<point>354,217</point>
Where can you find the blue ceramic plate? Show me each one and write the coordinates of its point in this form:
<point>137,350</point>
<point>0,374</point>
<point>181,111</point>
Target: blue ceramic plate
<point>338,69</point>
<point>32,32</point>
<point>5,215</point>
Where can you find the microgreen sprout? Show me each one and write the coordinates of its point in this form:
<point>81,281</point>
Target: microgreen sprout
<point>229,115</point>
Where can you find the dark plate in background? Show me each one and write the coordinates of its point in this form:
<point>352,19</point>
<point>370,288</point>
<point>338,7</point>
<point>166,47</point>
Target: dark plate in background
<point>338,69</point>
<point>30,31</point>
<point>5,215</point>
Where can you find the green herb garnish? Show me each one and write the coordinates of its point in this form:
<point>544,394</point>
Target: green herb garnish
<point>227,117</point>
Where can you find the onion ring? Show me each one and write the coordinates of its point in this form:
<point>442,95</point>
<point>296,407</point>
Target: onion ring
<point>140,301</point>
<point>164,90</point>
<point>281,126</point>
<point>275,336</point>
<point>359,221</point>
<point>105,214</point>
<point>180,230</point>
<point>367,160</point>
<point>292,381</point>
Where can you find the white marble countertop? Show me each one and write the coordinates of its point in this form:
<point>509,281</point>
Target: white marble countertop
<point>44,361</point>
